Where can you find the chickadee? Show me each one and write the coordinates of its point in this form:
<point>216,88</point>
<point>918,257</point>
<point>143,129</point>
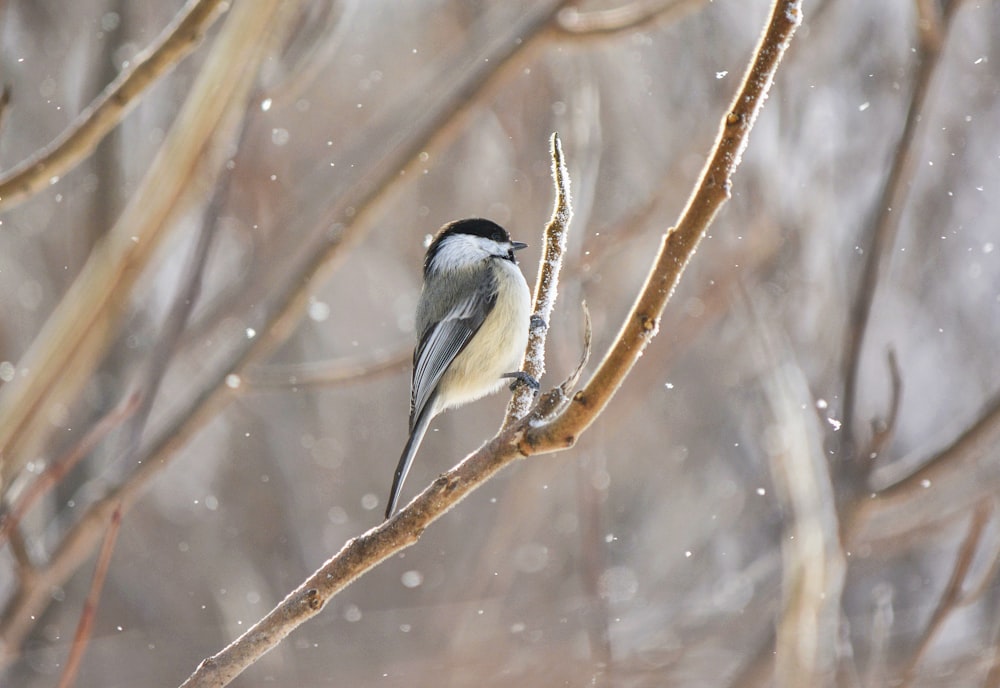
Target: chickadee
<point>472,323</point>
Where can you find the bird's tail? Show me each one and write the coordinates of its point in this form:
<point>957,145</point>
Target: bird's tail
<point>409,451</point>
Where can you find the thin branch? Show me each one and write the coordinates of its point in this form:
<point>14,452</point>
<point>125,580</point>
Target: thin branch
<point>79,140</point>
<point>89,613</point>
<point>633,15</point>
<point>366,551</point>
<point>77,333</point>
<point>950,481</point>
<point>333,372</point>
<point>884,429</point>
<point>884,223</point>
<point>680,242</point>
<point>58,469</point>
<point>952,593</point>
<point>547,283</point>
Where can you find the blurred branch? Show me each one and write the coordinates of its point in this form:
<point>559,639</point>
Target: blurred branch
<point>221,89</point>
<point>961,474</point>
<point>337,371</point>
<point>77,333</point>
<point>633,15</point>
<point>90,127</point>
<point>522,438</point>
<point>884,429</point>
<point>884,225</point>
<point>58,469</point>
<point>546,284</point>
<point>89,612</point>
<point>813,562</point>
<point>951,597</point>
<point>4,102</point>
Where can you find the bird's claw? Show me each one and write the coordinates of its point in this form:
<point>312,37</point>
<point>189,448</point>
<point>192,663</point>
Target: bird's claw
<point>522,378</point>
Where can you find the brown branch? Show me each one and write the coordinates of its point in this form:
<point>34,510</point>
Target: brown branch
<point>366,551</point>
<point>884,225</point>
<point>222,88</point>
<point>78,331</point>
<point>80,139</point>
<point>89,613</point>
<point>679,243</point>
<point>952,593</point>
<point>633,15</point>
<point>58,469</point>
<point>884,429</point>
<point>338,371</point>
<point>547,283</point>
<point>950,481</point>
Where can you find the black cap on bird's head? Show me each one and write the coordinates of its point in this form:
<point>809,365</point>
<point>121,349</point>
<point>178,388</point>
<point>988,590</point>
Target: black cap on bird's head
<point>475,227</point>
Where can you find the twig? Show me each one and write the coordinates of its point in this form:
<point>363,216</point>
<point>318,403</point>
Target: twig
<point>366,551</point>
<point>89,612</point>
<point>948,482</point>
<point>547,283</point>
<point>633,15</point>
<point>58,469</point>
<point>80,139</point>
<point>76,334</point>
<point>884,429</point>
<point>952,593</point>
<point>338,371</point>
<point>884,225</point>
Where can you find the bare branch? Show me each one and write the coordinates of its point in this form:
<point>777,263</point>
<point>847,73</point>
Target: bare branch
<point>633,15</point>
<point>884,223</point>
<point>547,283</point>
<point>90,127</point>
<point>89,612</point>
<point>77,333</point>
<point>680,242</point>
<point>58,469</point>
<point>338,371</point>
<point>884,429</point>
<point>948,482</point>
<point>952,593</point>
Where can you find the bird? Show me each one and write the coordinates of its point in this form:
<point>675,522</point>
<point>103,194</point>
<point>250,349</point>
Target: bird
<point>472,323</point>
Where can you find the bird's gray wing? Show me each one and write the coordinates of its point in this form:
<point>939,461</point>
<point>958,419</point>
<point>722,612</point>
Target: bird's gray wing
<point>446,334</point>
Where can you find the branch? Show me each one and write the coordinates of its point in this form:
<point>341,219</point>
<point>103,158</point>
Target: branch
<point>680,242</point>
<point>366,551</point>
<point>884,224</point>
<point>89,612</point>
<point>90,127</point>
<point>338,371</point>
<point>951,480</point>
<point>58,469</point>
<point>79,330</point>
<point>623,18</point>
<point>547,283</point>
<point>951,597</point>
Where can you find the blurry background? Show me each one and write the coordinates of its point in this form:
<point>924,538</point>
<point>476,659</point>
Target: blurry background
<point>658,550</point>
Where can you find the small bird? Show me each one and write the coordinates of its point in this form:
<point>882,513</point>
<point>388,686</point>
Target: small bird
<point>472,323</point>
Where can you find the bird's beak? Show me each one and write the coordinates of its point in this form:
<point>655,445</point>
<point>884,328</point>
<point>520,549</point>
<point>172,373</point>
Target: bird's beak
<point>517,245</point>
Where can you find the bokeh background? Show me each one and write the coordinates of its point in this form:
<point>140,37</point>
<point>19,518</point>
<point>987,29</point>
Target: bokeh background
<point>662,549</point>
